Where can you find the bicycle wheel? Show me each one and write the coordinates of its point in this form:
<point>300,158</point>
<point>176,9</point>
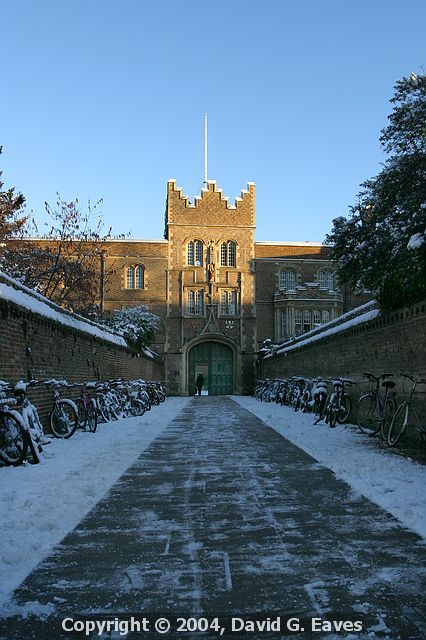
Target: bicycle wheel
<point>63,419</point>
<point>13,440</point>
<point>34,449</point>
<point>367,415</point>
<point>331,415</point>
<point>388,413</point>
<point>344,409</point>
<point>81,413</point>
<point>92,416</point>
<point>398,424</point>
<point>34,434</point>
<point>137,407</point>
<point>103,408</point>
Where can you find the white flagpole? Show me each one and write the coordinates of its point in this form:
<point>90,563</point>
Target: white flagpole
<point>205,150</point>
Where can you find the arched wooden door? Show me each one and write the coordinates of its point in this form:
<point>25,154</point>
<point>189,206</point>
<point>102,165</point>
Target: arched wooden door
<point>215,361</point>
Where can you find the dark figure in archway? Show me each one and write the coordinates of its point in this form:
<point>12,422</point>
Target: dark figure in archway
<point>199,383</point>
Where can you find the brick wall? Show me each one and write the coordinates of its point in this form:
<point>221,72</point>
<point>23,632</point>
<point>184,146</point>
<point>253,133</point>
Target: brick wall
<point>391,343</point>
<point>36,347</point>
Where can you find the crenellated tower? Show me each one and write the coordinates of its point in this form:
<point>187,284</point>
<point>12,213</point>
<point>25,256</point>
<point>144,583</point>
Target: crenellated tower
<point>210,311</point>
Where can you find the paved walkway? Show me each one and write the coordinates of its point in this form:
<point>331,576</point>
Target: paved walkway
<point>222,516</point>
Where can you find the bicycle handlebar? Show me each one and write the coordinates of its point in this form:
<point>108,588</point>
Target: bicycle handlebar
<point>378,378</point>
<point>413,379</point>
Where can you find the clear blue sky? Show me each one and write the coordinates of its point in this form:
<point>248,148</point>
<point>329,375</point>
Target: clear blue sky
<point>105,99</point>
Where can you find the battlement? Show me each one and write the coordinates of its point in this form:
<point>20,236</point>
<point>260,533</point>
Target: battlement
<point>212,188</point>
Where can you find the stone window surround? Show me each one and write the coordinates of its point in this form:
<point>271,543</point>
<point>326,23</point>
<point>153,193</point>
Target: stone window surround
<point>190,301</point>
<point>193,248</point>
<point>234,305</point>
<point>134,265</point>
<point>287,270</point>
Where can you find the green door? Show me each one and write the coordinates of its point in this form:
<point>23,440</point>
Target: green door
<point>214,360</point>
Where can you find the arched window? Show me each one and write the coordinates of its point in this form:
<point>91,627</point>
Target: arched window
<point>297,321</point>
<point>326,279</point>
<point>190,253</point>
<point>198,253</point>
<point>316,318</point>
<point>287,279</point>
<point>307,319</point>
<point>130,278</point>
<point>283,324</point>
<point>325,316</point>
<point>139,277</point>
<point>135,277</point>
<point>228,254</point>
<point>232,254</point>
<point>194,253</point>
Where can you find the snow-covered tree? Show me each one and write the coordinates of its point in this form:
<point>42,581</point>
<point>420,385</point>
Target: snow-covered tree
<point>381,246</point>
<point>12,218</point>
<point>137,325</point>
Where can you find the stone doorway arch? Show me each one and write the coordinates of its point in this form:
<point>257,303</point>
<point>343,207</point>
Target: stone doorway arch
<point>215,360</point>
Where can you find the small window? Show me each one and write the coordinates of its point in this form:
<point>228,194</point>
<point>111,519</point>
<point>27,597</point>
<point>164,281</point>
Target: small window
<point>306,321</point>
<point>287,279</point>
<point>190,253</point>
<point>135,277</point>
<point>232,303</point>
<point>199,302</point>
<point>198,253</point>
<point>223,254</point>
<point>316,318</point>
<point>191,302</point>
<point>232,250</point>
<point>139,277</point>
<point>283,324</point>
<point>297,321</point>
<point>130,278</point>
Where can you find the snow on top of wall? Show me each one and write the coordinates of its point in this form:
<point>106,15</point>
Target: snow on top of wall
<point>361,314</point>
<point>12,291</point>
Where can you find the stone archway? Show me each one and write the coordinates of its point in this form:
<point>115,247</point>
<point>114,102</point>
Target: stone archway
<point>215,361</point>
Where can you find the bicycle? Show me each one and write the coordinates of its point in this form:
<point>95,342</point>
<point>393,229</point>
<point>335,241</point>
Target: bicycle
<point>339,406</point>
<point>87,409</point>
<point>319,394</point>
<point>13,436</point>
<point>63,417</point>
<point>376,409</point>
<point>29,413</point>
<point>401,416</point>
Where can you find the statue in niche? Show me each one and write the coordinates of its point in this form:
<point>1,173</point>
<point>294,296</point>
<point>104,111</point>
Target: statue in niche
<point>211,267</point>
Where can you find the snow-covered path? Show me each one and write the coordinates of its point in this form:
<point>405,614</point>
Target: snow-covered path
<point>40,504</point>
<point>394,482</point>
<point>221,516</point>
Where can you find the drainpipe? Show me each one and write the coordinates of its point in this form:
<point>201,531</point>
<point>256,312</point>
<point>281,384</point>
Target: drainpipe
<point>102,284</point>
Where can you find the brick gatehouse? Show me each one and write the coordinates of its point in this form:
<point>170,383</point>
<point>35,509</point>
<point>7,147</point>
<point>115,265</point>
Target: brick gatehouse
<point>220,293</point>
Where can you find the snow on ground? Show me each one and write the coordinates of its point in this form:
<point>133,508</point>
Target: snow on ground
<point>395,483</point>
<point>41,503</point>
